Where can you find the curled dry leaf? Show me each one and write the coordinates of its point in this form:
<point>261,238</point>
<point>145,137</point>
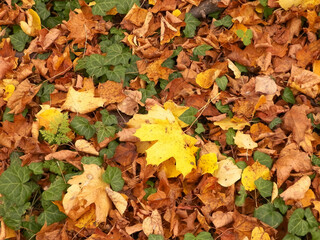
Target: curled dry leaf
<point>153,224</point>
<point>84,146</point>
<point>297,190</point>
<point>61,155</point>
<point>118,200</point>
<point>33,26</point>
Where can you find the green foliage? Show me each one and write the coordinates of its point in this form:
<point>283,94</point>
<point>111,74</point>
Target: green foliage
<point>150,190</point>
<point>226,21</point>
<point>58,167</point>
<point>199,129</point>
<point>245,36</point>
<point>267,213</point>
<point>297,224</point>
<point>117,54</point>
<point>223,108</point>
<point>148,92</point>
<point>241,164</point>
<point>57,134</point>
<point>82,127</point>
<point>222,82</point>
<point>289,236</point>
<point>110,150</point>
<point>104,131</point>
<point>30,228</point>
<point>108,119</point>
<point>201,50</point>
<point>281,205</point>
<point>264,187</point>
<point>103,6</point>
<point>51,213</point>
<point>276,121</point>
<point>315,160</point>
<point>191,25</point>
<point>54,192</point>
<point>230,134</point>
<point>36,167</point>
<point>241,68</point>
<point>19,39</point>
<point>188,116</point>
<point>155,237</point>
<point>92,160</point>
<point>263,158</point>
<point>113,176</point>
<point>240,199</point>
<point>287,96</point>
<point>41,9</point>
<point>45,91</point>
<point>200,236</point>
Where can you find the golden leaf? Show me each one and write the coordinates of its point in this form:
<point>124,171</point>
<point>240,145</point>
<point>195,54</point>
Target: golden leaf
<point>244,141</point>
<point>228,173</point>
<point>84,146</point>
<point>208,163</point>
<point>205,79</point>
<point>253,173</point>
<point>33,26</point>
<point>47,115</point>
<point>259,234</point>
<point>118,200</point>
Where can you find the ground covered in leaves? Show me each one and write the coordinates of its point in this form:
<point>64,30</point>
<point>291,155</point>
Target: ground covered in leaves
<point>159,119</point>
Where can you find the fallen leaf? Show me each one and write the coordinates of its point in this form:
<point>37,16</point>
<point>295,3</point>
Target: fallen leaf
<point>46,115</point>
<point>170,139</point>
<point>33,26</point>
<point>244,141</point>
<point>265,85</point>
<point>86,189</point>
<point>111,92</point>
<point>208,163</point>
<point>234,69</point>
<point>258,233</point>
<point>117,199</point>
<point>252,173</point>
<point>84,146</point>
<point>82,102</point>
<point>298,190</point>
<point>275,192</point>
<point>205,79</point>
<point>177,111</point>
<point>169,166</point>
<point>153,224</point>
<point>227,173</point>
<point>235,123</point>
<point>221,219</point>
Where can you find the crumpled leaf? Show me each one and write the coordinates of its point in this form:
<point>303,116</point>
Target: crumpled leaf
<point>208,163</point>
<point>82,102</point>
<point>33,26</point>
<point>86,189</point>
<point>153,224</point>
<point>161,126</point>
<point>46,115</point>
<point>298,190</point>
<point>227,173</point>
<point>117,199</point>
<point>252,173</point>
<point>84,146</point>
<point>258,233</point>
<point>244,141</point>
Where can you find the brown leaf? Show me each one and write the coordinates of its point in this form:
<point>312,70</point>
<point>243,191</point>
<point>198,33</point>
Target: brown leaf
<point>84,146</point>
<point>297,190</point>
<point>221,219</point>
<point>153,224</point>
<point>291,158</point>
<point>111,91</point>
<point>117,199</point>
<point>22,96</point>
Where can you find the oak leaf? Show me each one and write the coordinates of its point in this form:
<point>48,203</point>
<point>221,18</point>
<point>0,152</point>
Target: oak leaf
<point>160,125</point>
<point>82,102</point>
<point>298,190</point>
<point>252,173</point>
<point>86,189</point>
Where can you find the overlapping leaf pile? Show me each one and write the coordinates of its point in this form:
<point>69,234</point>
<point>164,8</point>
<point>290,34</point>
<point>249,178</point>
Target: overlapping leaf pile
<point>136,120</point>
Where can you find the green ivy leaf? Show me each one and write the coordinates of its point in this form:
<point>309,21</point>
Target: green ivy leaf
<point>36,167</point>
<point>12,214</point>
<point>230,134</point>
<point>290,236</point>
<point>51,213</point>
<point>241,198</point>
<point>103,6</point>
<point>92,160</point>
<point>19,39</point>
<point>264,3</point>
<point>54,192</point>
<point>116,55</point>
<point>223,108</point>
<point>241,164</point>
<point>96,65</point>
<point>45,90</point>
<point>82,127</point>
<point>276,121</point>
<point>281,205</point>
<point>297,225</point>
<point>201,50</point>
<point>124,6</point>
<point>268,214</point>
<point>313,223</point>
<point>191,25</point>
<point>117,74</point>
<point>189,236</point>
<point>226,21</point>
<point>263,158</point>
<point>31,227</point>
<point>155,237</point>
<point>200,129</point>
<point>264,187</point>
<point>315,160</point>
<point>113,176</point>
<point>110,150</point>
<point>222,82</point>
<point>287,96</point>
<point>108,119</point>
<point>42,10</point>
<point>104,131</point>
<point>13,184</point>
<point>148,92</point>
<point>188,116</point>
<point>204,236</point>
<point>241,67</point>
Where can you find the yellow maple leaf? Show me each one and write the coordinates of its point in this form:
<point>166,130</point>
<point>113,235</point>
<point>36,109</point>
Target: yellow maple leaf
<point>82,102</point>
<point>177,111</point>
<point>244,141</point>
<point>86,189</point>
<point>33,26</point>
<point>46,115</point>
<point>253,173</point>
<point>208,163</point>
<point>170,140</point>
<point>258,233</point>
<point>169,168</point>
<point>205,79</point>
